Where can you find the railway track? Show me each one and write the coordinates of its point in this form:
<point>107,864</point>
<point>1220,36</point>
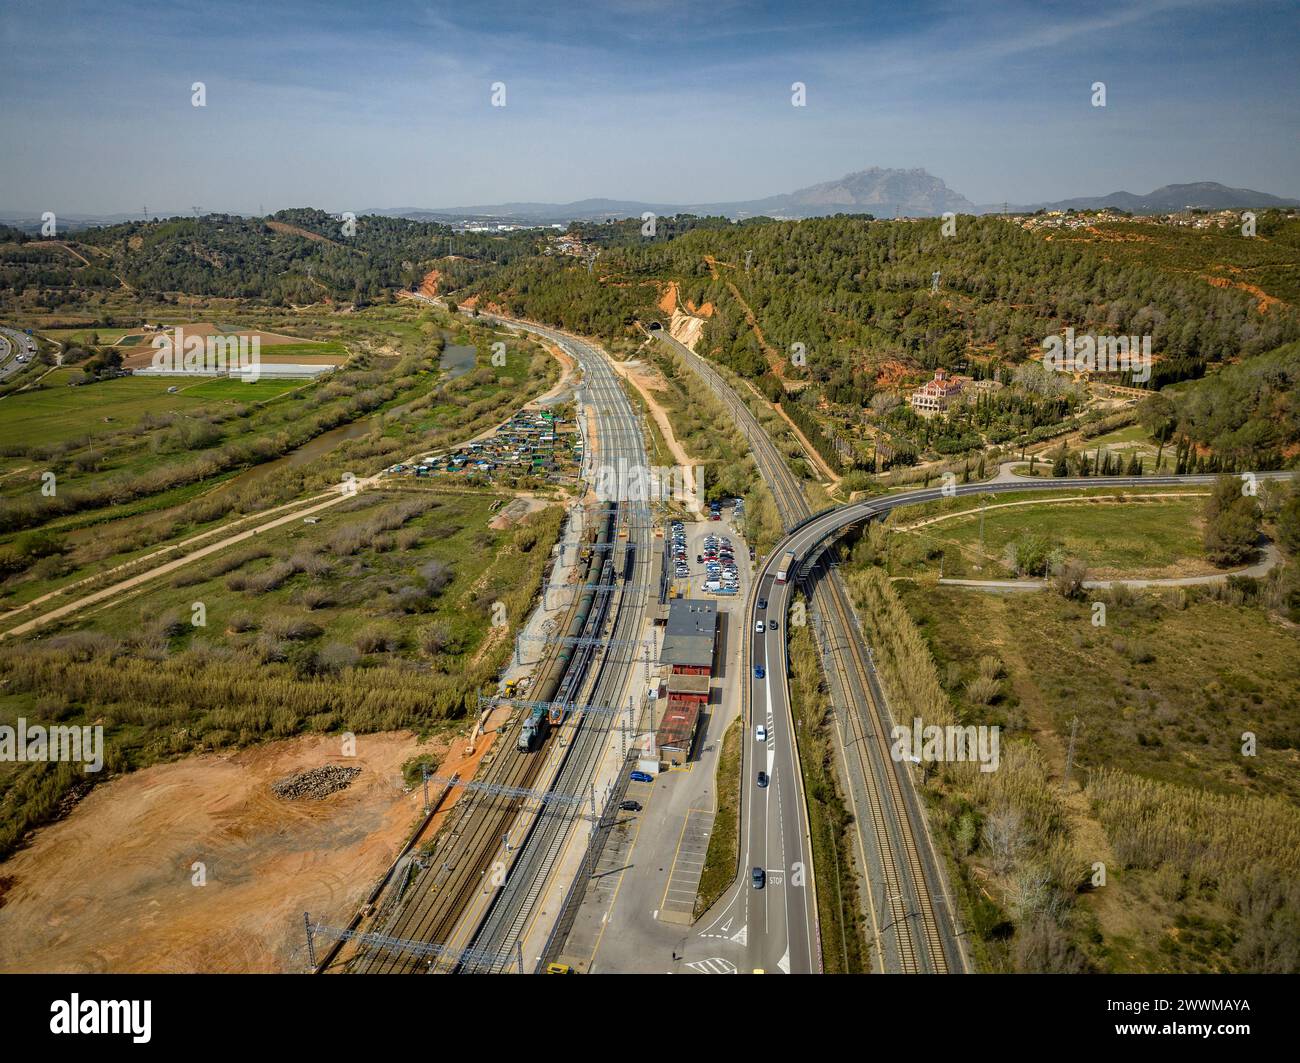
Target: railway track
<point>430,906</point>
<point>866,734</point>
<point>513,911</point>
<point>891,827</point>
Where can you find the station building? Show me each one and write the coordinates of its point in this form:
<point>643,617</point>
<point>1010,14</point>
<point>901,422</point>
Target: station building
<point>687,657</point>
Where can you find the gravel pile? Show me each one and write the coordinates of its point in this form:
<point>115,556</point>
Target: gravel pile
<point>315,783</point>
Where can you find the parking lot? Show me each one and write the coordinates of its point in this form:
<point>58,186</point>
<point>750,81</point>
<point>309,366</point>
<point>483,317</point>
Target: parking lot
<point>702,556</point>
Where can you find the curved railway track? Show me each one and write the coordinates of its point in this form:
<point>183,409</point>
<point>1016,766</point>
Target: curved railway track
<point>514,909</point>
<point>431,905</point>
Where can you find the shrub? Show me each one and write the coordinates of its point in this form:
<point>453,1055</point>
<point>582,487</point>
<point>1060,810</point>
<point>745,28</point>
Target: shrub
<point>983,690</point>
<point>291,628</point>
<point>336,657</point>
<point>435,638</point>
<point>316,598</point>
<point>376,638</point>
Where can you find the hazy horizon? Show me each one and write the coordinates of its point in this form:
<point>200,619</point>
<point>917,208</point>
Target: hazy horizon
<point>322,105</point>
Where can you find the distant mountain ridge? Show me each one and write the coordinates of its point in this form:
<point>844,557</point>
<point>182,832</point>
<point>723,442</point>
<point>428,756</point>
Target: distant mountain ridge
<point>882,192</point>
<point>1169,199</point>
<point>885,193</point>
<point>876,191</point>
<point>879,191</point>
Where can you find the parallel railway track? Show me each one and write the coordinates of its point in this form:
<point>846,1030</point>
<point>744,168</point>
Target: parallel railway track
<point>514,909</point>
<point>436,900</point>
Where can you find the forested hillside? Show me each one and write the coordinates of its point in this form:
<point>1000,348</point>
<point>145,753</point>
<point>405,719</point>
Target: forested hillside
<point>296,256</point>
<point>1247,414</point>
<point>858,294</point>
<point>1266,265</point>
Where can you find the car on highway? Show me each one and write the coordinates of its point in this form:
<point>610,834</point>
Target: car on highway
<point>760,672</point>
<point>758,877</point>
<point>641,776</point>
<point>630,806</point>
<point>758,626</point>
<point>762,603</point>
<point>760,733</point>
<point>771,625</point>
<point>762,779</point>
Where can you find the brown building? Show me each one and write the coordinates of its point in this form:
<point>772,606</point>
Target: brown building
<point>935,396</point>
<point>690,643</point>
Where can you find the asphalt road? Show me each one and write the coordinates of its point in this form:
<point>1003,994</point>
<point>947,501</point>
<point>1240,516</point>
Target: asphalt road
<point>13,343</point>
<point>785,935</point>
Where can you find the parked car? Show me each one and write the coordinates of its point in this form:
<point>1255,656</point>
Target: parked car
<point>630,806</point>
<point>642,776</point>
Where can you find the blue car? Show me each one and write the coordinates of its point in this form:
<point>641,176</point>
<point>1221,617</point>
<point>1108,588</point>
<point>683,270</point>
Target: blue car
<point>642,776</point>
<point>760,672</point>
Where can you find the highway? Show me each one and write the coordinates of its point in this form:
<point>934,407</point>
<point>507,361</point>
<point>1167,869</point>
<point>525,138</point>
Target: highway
<point>914,922</point>
<point>14,343</point>
<point>914,925</point>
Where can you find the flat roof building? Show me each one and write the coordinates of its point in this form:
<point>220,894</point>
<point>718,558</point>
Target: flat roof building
<point>690,636</point>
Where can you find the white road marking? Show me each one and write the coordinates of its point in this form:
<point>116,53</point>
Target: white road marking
<point>713,965</point>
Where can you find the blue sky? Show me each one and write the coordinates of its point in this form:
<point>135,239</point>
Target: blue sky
<point>358,105</point>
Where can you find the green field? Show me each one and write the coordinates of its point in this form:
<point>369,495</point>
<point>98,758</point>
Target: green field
<point>1164,691</point>
<point>106,336</point>
<point>362,586</point>
<point>379,616</point>
<point>1140,537</point>
<point>56,412</point>
<point>1123,438</point>
<point>137,467</point>
<point>1124,443</point>
<point>289,351</point>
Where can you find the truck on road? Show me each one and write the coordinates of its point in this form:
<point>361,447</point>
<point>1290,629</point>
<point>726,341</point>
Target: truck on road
<point>786,568</point>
